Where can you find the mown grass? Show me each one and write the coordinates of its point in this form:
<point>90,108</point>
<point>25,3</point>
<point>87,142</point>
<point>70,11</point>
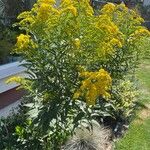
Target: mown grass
<point>138,135</point>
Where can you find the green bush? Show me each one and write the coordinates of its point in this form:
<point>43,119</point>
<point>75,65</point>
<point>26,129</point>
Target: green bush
<point>72,57</point>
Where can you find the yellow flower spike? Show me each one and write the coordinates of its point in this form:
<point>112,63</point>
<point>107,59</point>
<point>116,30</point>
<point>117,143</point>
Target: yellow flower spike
<point>142,32</point>
<point>29,20</point>
<point>44,11</point>
<point>77,43</point>
<point>15,79</point>
<point>73,10</point>
<point>139,33</point>
<point>108,8</point>
<point>21,81</point>
<point>23,41</point>
<point>89,9</point>
<point>24,15</point>
<point>86,84</point>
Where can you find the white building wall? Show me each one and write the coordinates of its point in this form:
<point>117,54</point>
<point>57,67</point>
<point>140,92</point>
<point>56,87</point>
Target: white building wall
<point>7,71</point>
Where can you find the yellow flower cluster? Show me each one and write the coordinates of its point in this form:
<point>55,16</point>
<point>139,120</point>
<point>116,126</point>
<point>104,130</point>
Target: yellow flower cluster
<point>39,13</point>
<point>68,6</point>
<point>141,31</point>
<point>95,84</point>
<point>15,79</point>
<point>105,23</point>
<point>138,34</point>
<point>23,41</point>
<point>112,36</point>
<point>44,11</point>
<point>120,14</point>
<point>27,18</point>
<point>109,8</point>
<point>21,81</point>
<point>108,48</point>
<point>72,9</point>
<point>89,9</point>
<point>45,8</point>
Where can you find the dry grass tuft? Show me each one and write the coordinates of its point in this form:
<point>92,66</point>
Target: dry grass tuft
<point>84,139</point>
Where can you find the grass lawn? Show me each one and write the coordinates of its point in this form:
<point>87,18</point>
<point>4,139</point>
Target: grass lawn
<point>138,135</point>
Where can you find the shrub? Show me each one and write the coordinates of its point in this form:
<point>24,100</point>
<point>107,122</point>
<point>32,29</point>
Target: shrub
<point>72,57</point>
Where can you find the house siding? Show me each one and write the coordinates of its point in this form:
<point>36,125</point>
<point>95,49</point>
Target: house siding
<point>10,97</point>
<point>9,92</point>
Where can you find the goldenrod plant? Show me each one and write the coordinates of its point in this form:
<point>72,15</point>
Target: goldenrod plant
<point>75,60</point>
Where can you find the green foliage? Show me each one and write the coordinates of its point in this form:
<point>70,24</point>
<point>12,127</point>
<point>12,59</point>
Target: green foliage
<point>65,49</point>
<point>7,41</point>
<point>138,134</point>
<point>124,97</point>
<point>8,138</point>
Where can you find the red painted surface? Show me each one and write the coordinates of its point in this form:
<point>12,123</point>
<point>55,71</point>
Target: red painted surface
<point>10,97</point>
